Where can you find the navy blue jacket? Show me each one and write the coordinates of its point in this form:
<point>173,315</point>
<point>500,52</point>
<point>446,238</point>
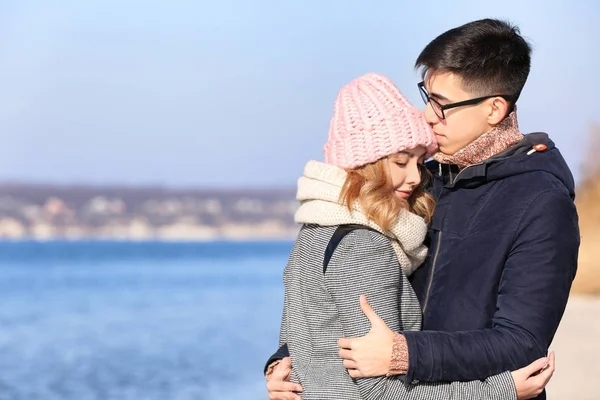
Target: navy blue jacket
<point>504,242</point>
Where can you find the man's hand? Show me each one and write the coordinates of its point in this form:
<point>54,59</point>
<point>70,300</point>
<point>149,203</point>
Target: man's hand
<point>532,379</point>
<point>279,385</point>
<point>369,355</point>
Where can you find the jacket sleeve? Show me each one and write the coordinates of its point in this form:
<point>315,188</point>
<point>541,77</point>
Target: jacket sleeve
<point>532,296</point>
<point>283,350</point>
<point>365,263</point>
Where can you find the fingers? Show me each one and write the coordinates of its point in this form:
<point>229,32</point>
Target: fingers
<point>350,364</point>
<point>280,390</point>
<point>283,396</point>
<point>535,366</point>
<point>368,310</point>
<point>286,362</point>
<point>552,360</point>
<point>282,386</point>
<point>541,380</point>
<point>371,315</point>
<point>346,354</point>
<point>345,343</point>
<point>363,300</point>
<point>281,372</point>
<point>354,373</point>
<point>547,373</point>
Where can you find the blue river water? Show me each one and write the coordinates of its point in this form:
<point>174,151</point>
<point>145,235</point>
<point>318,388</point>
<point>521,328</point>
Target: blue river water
<point>127,320</point>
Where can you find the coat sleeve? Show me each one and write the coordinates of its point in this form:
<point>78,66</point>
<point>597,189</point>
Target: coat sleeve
<point>532,296</point>
<point>283,350</point>
<point>365,263</point>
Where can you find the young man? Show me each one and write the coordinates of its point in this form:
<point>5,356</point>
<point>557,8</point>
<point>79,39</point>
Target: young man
<point>504,238</point>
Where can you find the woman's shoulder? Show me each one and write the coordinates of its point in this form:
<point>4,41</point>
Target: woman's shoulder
<point>366,243</point>
<point>364,235</point>
<point>364,251</point>
<point>351,238</point>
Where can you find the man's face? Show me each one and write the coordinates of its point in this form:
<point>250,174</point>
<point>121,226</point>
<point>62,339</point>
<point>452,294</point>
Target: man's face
<point>462,125</point>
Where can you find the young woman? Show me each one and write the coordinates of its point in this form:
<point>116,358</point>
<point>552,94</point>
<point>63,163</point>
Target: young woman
<point>364,216</point>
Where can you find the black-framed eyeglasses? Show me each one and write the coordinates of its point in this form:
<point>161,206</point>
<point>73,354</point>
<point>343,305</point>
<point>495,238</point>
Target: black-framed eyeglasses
<point>439,109</point>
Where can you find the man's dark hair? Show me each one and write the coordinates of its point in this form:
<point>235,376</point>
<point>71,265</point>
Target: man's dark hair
<point>489,55</point>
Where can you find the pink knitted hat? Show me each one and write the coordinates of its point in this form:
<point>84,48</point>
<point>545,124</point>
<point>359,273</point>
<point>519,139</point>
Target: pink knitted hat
<point>372,120</point>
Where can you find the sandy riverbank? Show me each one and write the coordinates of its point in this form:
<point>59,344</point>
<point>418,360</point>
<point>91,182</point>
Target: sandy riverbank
<point>577,347</point>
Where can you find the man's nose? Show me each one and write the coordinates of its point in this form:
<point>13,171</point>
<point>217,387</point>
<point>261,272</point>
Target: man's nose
<point>430,115</point>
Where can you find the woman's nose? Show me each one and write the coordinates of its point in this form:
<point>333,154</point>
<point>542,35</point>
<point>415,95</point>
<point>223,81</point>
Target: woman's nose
<point>414,176</point>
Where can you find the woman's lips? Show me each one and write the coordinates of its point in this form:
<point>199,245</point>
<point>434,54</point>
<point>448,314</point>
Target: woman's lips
<point>404,193</point>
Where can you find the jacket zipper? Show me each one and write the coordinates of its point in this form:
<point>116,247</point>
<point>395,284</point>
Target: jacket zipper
<point>453,181</point>
<point>437,250</point>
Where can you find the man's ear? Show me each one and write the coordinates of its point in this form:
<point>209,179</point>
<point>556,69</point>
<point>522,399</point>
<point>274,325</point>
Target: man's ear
<point>499,108</point>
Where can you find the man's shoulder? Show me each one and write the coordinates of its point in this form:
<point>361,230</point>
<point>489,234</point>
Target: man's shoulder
<point>536,182</point>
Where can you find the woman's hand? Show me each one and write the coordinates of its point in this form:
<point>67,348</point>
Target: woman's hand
<point>279,385</point>
<point>532,379</point>
<point>369,355</point>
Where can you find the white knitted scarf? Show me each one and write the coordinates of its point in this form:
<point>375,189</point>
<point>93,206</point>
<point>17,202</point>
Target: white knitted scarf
<point>319,191</point>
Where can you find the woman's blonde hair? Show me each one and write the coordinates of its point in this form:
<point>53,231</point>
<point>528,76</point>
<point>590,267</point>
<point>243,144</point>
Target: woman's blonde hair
<point>371,185</point>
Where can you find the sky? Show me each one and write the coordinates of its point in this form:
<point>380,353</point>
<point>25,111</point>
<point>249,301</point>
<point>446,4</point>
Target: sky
<point>192,93</point>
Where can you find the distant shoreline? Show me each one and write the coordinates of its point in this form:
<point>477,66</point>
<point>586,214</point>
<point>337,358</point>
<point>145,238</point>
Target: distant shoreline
<point>46,213</point>
<point>147,241</point>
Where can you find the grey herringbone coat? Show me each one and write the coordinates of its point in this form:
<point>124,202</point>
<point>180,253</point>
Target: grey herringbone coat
<point>321,308</point>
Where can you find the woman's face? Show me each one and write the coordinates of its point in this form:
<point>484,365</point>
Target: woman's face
<point>405,171</point>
